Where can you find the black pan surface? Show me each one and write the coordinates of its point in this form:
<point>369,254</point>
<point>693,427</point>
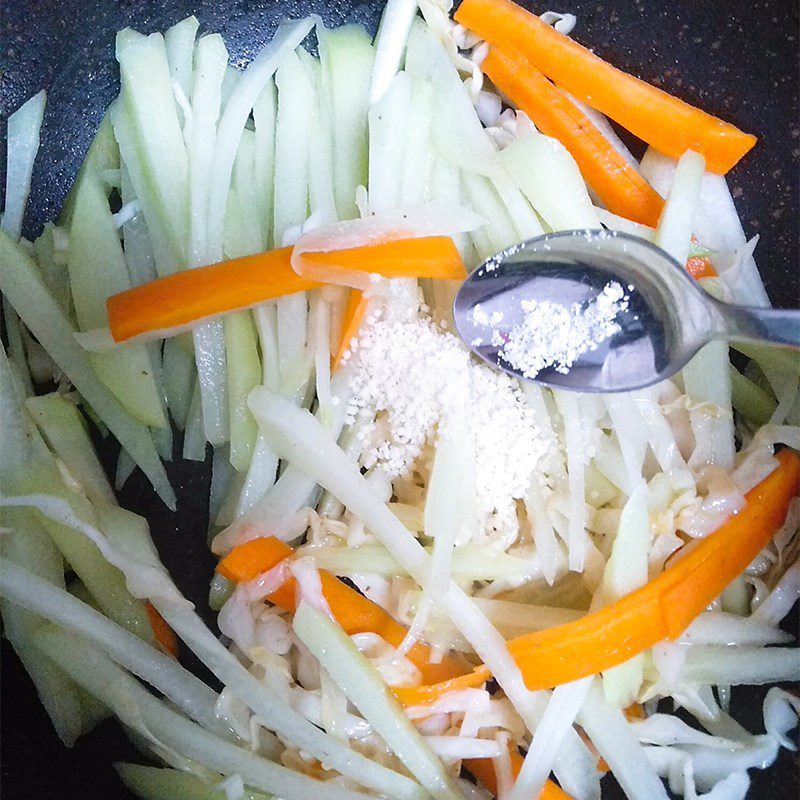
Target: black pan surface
<point>734,58</point>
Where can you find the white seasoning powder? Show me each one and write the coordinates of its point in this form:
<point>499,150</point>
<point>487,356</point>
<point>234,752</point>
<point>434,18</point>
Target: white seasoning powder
<point>408,375</point>
<point>554,335</point>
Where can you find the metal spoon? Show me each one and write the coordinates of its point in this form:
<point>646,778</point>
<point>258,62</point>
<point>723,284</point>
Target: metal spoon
<point>668,319</point>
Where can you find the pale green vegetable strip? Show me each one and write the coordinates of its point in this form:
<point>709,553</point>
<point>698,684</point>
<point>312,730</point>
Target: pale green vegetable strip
<point>61,425</point>
<point>750,400</point>
<point>523,217</point>
<point>244,374</point>
<point>194,437</point>
<point>22,144</point>
<point>179,41</point>
<point>390,43</point>
<point>26,589</point>
<point>483,198</point>
<point>387,120</point>
<point>179,372</point>
<point>125,467</point>
<point>470,562</point>
<point>615,741</point>
<point>321,190</point>
<point>674,231</point>
<point>151,142</point>
<point>211,61</point>
<point>138,249</point>
<point>27,544</point>
<point>549,177</point>
<point>51,256</point>
<point>347,58</point>
<point>233,119</point>
<point>155,783</point>
<point>455,129</point>
<point>364,687</point>
<point>251,236</point>
<point>264,114</point>
<point>292,142</point>
<point>418,157</point>
<point>22,284</point>
<point>97,269</point>
<point>138,708</point>
<point>626,570</point>
<point>16,347</point>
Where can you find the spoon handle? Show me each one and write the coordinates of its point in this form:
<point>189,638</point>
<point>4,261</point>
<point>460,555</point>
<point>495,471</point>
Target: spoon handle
<point>766,325</point>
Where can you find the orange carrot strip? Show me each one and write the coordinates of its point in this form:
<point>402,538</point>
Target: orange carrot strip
<point>354,612</point>
<point>357,305</point>
<point>165,636</point>
<point>665,122</point>
<point>483,769</point>
<point>182,298</point>
<point>662,609</point>
<point>422,257</point>
<point>177,300</point>
<point>621,188</point>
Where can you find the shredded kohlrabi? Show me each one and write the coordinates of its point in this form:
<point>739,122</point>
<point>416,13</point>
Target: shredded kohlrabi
<point>350,142</point>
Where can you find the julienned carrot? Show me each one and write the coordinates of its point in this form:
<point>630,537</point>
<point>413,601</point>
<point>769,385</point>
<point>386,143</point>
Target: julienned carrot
<point>662,609</point>
<point>483,769</point>
<point>357,304</point>
<point>180,299</point>
<point>668,124</point>
<point>421,257</point>
<point>621,188</point>
<point>165,636</point>
<point>356,614</point>
<point>167,305</point>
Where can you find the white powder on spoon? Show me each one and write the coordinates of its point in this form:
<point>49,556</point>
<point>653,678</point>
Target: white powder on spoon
<point>554,335</point>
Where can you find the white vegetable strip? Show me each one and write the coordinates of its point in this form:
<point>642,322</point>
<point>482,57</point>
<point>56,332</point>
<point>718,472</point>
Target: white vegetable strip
<point>97,270</point>
<point>456,130</point>
<point>26,546</point>
<point>626,571</point>
<point>557,720</point>
<point>674,231</point>
<point>61,425</point>
<point>22,145</point>
<point>137,708</point>
<point>158,783</point>
<point>616,742</point>
<point>146,578</point>
<point>21,283</point>
<point>390,44</point>
<point>41,597</point>
<point>740,665</point>
<point>151,142</point>
<point>366,689</point>
<point>387,120</point>
<point>576,471</point>
<point>179,41</point>
<point>347,63</point>
<point>549,177</point>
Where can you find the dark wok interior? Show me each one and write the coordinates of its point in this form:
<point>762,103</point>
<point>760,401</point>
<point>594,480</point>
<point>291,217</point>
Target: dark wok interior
<point>734,58</point>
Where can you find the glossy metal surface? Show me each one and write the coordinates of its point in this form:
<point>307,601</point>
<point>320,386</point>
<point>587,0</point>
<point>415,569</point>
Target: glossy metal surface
<point>668,319</point>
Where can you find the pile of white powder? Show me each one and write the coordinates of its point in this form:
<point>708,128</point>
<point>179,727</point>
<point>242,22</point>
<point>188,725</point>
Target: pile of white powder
<point>407,375</point>
<point>554,335</point>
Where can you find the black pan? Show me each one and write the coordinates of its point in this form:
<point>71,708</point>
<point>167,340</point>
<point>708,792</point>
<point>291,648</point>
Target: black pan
<point>734,58</point>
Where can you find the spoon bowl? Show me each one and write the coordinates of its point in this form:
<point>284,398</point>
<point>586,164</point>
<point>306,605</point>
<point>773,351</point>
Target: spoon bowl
<point>668,317</point>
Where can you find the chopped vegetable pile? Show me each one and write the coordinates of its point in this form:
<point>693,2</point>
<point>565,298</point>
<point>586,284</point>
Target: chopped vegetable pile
<point>434,580</point>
